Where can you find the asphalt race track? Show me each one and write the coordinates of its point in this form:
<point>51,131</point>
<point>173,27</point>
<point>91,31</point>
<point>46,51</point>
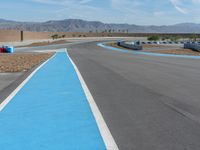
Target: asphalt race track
<point>148,102</point>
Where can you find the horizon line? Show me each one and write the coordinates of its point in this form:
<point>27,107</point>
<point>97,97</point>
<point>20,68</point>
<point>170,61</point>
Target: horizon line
<point>23,21</point>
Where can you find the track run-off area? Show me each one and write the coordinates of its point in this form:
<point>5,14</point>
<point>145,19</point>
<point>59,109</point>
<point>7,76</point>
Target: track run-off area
<point>143,101</point>
<point>51,111</point>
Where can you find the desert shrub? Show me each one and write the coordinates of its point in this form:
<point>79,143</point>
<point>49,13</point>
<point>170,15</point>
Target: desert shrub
<point>55,36</point>
<point>154,38</point>
<point>63,36</point>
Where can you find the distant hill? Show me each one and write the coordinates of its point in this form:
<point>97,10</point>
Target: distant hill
<point>76,25</point>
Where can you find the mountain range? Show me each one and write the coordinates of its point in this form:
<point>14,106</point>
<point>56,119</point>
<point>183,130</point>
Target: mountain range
<point>77,25</point>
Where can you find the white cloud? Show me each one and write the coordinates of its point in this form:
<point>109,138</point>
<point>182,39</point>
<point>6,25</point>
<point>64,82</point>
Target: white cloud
<point>176,4</point>
<point>85,1</point>
<point>181,10</point>
<point>196,1</point>
<point>80,9</point>
<point>128,6</point>
<point>185,6</point>
<point>126,11</point>
<point>62,2</point>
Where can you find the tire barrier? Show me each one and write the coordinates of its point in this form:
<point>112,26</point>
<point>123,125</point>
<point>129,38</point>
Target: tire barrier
<point>2,50</point>
<point>6,49</point>
<point>139,45</point>
<point>193,46</point>
<point>167,42</point>
<point>133,45</point>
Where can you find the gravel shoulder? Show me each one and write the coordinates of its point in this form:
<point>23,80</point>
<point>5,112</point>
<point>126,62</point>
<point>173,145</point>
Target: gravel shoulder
<point>21,62</point>
<point>147,46</point>
<point>15,68</point>
<point>177,52</point>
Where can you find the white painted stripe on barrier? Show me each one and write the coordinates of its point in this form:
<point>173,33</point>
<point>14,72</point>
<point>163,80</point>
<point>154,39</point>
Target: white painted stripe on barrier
<point>10,97</point>
<point>103,128</point>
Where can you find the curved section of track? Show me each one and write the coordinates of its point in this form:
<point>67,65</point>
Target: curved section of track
<point>147,53</point>
<point>148,102</point>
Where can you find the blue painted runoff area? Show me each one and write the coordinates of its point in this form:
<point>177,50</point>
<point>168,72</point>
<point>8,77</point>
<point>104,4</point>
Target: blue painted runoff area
<point>146,53</point>
<point>50,112</point>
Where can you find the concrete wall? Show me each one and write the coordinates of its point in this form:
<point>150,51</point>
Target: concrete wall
<point>15,36</point>
<point>36,35</point>
<point>10,35</point>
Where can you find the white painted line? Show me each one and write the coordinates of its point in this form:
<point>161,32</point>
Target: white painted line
<point>103,128</point>
<point>10,97</point>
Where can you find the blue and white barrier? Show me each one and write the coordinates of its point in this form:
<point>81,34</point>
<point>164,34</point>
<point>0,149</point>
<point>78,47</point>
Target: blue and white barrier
<point>193,46</point>
<point>133,46</point>
<point>9,49</point>
<point>6,49</point>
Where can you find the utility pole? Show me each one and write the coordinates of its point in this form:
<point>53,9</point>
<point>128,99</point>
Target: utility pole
<point>22,36</point>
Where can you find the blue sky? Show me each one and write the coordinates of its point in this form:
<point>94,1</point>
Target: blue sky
<point>142,12</point>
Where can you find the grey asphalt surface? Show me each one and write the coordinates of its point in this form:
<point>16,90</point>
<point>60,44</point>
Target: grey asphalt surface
<point>148,102</point>
<point>10,81</point>
<point>59,46</point>
<point>7,78</point>
<point>8,84</point>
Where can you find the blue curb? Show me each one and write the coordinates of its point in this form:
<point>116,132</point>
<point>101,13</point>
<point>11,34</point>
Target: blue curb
<point>146,53</point>
<point>50,112</point>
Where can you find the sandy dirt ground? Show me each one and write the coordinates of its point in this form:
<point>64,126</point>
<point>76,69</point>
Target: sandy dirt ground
<point>21,62</point>
<point>179,51</point>
<point>45,43</point>
<point>155,46</point>
<point>146,46</point>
